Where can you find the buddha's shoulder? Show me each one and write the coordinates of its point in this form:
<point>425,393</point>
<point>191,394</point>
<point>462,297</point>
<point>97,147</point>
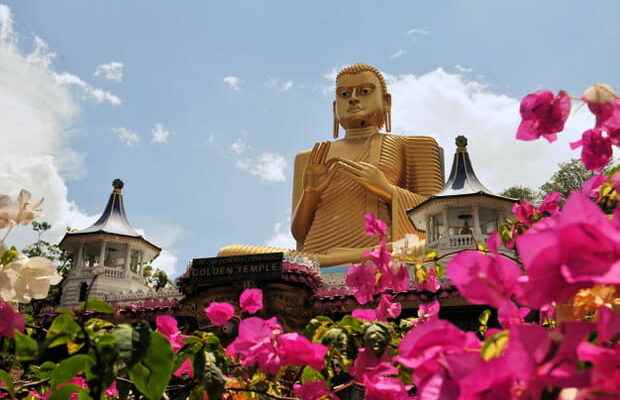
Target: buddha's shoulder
<point>412,139</point>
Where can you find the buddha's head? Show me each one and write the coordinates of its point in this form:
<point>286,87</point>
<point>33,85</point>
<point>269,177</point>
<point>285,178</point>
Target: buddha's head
<point>362,99</point>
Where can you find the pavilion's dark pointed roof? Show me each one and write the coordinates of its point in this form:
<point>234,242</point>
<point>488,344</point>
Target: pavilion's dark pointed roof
<point>114,218</point>
<point>462,179</point>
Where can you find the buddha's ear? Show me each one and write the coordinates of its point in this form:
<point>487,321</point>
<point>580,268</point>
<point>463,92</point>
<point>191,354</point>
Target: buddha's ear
<point>387,101</point>
<point>387,113</point>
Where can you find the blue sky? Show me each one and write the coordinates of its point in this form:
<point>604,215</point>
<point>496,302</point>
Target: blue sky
<point>242,86</point>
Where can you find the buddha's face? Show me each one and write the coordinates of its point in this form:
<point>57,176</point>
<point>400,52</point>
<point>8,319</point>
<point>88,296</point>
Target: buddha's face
<point>360,102</point>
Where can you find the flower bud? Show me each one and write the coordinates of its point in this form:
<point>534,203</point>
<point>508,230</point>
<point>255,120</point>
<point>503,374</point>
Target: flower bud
<point>599,93</point>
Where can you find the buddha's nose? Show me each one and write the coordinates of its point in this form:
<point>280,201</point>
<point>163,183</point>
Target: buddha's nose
<point>353,100</point>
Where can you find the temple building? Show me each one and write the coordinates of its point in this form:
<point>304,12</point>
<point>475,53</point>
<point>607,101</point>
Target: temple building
<point>108,257</point>
<point>464,212</point>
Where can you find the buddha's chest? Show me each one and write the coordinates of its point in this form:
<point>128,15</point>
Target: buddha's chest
<point>367,150</point>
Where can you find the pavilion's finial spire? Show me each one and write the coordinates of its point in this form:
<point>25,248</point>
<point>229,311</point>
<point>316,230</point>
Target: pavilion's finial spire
<point>118,185</point>
<point>461,143</point>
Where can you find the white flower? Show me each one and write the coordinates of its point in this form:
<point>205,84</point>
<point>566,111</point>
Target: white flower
<point>7,283</point>
<point>21,211</point>
<point>34,277</point>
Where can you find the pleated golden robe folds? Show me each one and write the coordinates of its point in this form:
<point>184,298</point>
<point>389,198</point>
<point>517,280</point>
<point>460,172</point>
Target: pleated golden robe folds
<point>411,163</point>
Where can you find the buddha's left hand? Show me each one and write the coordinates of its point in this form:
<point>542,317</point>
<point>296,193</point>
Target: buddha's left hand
<point>369,176</point>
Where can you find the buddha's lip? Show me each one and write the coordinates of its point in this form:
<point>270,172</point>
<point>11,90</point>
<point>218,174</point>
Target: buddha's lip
<point>354,109</point>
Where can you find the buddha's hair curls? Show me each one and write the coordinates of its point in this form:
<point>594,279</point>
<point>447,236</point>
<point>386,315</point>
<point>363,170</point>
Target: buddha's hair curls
<point>357,68</point>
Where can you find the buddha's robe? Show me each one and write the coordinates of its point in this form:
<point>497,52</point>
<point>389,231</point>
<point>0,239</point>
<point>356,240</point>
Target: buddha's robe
<point>412,164</point>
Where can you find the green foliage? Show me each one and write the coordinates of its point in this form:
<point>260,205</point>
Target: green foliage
<point>98,306</point>
<point>63,330</point>
<point>7,382</point>
<point>26,348</point>
<point>521,193</point>
<point>570,176</point>
<point>152,373</point>
<point>71,367</point>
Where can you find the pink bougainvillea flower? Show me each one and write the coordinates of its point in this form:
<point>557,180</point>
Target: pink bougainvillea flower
<point>315,390</point>
<point>385,388</point>
<point>524,211</point>
<point>429,311</point>
<point>608,324</point>
<point>219,313</point>
<point>431,282</point>
<point>368,365</point>
<point>361,279</point>
<point>607,114</point>
<point>555,271</point>
<point>365,314</point>
<point>605,362</point>
<point>395,277</point>
<point>295,349</point>
<point>551,203</point>
<point>596,149</point>
<point>112,391</point>
<point>425,348</point>
<point>380,256</point>
<point>167,326</point>
<point>482,278</point>
<point>251,300</point>
<point>10,320</point>
<point>543,114</point>
<point>255,343</point>
<point>387,308</point>
<point>374,226</point>
<point>592,186</point>
<point>185,369</point>
<point>510,315</point>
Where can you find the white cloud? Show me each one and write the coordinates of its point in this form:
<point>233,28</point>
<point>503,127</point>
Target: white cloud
<point>446,105</point>
<point>160,134</point>
<point>239,146</point>
<point>269,167</point>
<point>462,69</point>
<point>281,236</point>
<point>166,236</point>
<point>279,84</point>
<point>112,71</point>
<point>398,54</point>
<point>233,81</point>
<point>99,95</point>
<point>126,136</point>
<point>36,126</point>
<point>418,31</point>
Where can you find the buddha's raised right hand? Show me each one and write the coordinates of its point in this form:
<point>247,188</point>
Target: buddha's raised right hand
<point>318,173</point>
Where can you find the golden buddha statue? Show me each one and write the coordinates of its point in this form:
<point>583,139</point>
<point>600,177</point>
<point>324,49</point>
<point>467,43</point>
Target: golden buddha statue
<point>337,182</point>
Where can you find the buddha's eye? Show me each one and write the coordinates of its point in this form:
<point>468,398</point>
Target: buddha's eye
<point>365,90</point>
<point>344,93</point>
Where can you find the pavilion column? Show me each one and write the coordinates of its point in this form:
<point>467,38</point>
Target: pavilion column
<point>429,237</point>
<point>476,213</point>
<point>80,257</point>
<point>444,222</point>
<point>102,255</point>
<point>127,259</point>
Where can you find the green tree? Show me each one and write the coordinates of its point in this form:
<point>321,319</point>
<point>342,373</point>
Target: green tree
<point>570,176</point>
<point>521,193</point>
<point>155,278</point>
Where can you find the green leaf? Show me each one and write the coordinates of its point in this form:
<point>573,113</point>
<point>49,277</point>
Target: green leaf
<point>26,348</point>
<point>71,367</point>
<point>98,306</point>
<point>310,374</point>
<point>152,374</point>
<point>44,371</point>
<point>63,330</point>
<point>65,392</point>
<point>351,325</point>
<point>123,335</point>
<point>494,346</point>
<point>7,382</point>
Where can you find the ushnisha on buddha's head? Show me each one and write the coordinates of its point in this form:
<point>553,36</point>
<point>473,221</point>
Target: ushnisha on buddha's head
<point>362,100</point>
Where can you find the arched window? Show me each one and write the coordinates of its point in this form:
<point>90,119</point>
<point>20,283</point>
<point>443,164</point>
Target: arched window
<point>83,291</point>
